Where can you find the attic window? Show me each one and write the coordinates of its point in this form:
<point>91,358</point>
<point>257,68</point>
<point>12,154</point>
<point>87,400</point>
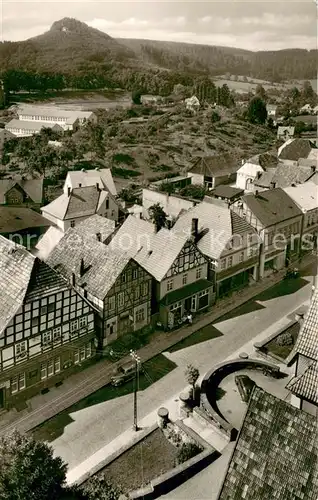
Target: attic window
<point>18,218</point>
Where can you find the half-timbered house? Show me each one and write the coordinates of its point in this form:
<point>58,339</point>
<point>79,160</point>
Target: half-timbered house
<point>114,283</point>
<point>178,268</point>
<point>46,327</point>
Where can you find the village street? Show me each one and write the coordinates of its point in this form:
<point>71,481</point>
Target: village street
<point>93,427</point>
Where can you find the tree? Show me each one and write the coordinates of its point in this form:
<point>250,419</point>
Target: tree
<point>135,97</point>
<point>256,111</point>
<point>98,488</point>
<point>187,451</point>
<point>308,93</point>
<point>28,469</point>
<point>192,374</point>
<point>158,216</point>
<point>260,92</point>
<point>300,127</point>
<point>195,191</point>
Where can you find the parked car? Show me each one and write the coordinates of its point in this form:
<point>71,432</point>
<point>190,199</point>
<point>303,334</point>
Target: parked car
<point>123,374</point>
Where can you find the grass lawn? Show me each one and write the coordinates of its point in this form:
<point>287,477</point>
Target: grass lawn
<point>283,350</point>
<point>150,372</point>
<point>135,468</point>
<point>208,332</point>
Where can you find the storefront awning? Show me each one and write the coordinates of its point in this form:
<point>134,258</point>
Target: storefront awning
<point>186,291</point>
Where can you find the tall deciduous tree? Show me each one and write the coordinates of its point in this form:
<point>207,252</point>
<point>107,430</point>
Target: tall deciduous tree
<point>260,92</point>
<point>158,216</point>
<point>256,111</point>
<point>192,374</point>
<point>28,470</point>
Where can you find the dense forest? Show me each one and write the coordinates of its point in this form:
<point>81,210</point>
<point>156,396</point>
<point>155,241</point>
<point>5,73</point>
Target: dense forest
<point>73,55</point>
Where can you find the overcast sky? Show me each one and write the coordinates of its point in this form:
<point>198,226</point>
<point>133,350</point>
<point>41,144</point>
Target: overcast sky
<point>254,25</point>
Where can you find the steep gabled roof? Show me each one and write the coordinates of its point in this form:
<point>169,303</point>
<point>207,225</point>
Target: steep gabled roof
<point>82,202</point>
<point>32,125</point>
<point>305,386</point>
<point>293,149</point>
<point>284,176</point>
<point>92,177</point>
<point>213,166</point>
<point>32,187</point>
<point>17,219</point>
<point>275,455</point>
<point>272,206</point>
<point>102,265</point>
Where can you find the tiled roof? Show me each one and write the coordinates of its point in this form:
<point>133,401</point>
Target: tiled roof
<point>31,125</point>
<point>307,341</point>
<point>284,176</point>
<point>101,264</point>
<point>294,149</point>
<point>217,224</point>
<point>272,206</point>
<point>16,265</point>
<point>83,201</point>
<point>264,160</point>
<point>95,224</point>
<point>33,188</point>
<point>44,281</point>
<point>275,456</point>
<point>17,219</point>
<point>51,111</point>
<point>92,177</point>
<point>304,195</point>
<point>213,166</point>
<point>305,385</point>
<point>48,241</point>
<point>155,252</point>
<point>225,191</point>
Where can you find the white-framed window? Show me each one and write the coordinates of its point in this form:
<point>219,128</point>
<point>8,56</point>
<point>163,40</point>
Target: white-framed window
<point>88,350</point>
<point>17,383</point>
<point>169,285</point>
<point>112,302</point>
<point>223,263</point>
<point>123,278</point>
<point>46,337</point>
<point>140,315</point>
<point>43,371</point>
<point>120,299</point>
<point>50,368</point>
<point>57,365</point>
<point>74,327</point>
<point>82,353</point>
<point>135,274</point>
<point>20,349</point>
<point>241,256</point>
<point>230,261</point>
<point>184,279</point>
<point>76,357</point>
<point>72,223</point>
<point>82,321</point>
<point>145,288</point>
<point>175,306</point>
<point>198,273</point>
<point>137,293</point>
<point>56,334</point>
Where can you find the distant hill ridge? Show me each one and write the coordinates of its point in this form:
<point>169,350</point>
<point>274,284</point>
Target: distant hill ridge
<point>70,45</point>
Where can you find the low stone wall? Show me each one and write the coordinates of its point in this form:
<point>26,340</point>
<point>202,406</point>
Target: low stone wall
<point>213,378</point>
<point>260,347</point>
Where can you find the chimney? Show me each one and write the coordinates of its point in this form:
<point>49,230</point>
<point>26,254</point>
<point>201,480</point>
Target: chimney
<point>256,192</point>
<point>73,279</point>
<point>79,185</point>
<point>82,268</point>
<point>195,228</point>
<point>313,168</point>
<point>97,186</point>
<point>98,236</point>
<point>69,190</point>
<point>273,184</point>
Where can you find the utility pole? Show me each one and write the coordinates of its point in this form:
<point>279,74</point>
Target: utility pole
<point>136,358</point>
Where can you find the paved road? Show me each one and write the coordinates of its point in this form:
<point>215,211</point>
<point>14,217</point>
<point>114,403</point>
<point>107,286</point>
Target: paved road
<point>97,425</point>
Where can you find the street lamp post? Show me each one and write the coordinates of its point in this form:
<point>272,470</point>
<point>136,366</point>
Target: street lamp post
<point>136,358</point>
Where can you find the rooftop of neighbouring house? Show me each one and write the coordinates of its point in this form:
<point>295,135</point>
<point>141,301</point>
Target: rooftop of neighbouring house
<point>32,187</point>
<point>91,178</point>
<point>294,149</point>
<point>304,195</point>
<point>31,125</point>
<point>81,202</point>
<point>275,455</point>
<point>217,224</point>
<point>50,111</point>
<point>225,191</point>
<point>286,130</point>
<point>154,251</point>
<point>285,175</point>
<point>263,160</point>
<point>17,219</point>
<point>272,206</point>
<point>215,166</point>
<point>94,265</point>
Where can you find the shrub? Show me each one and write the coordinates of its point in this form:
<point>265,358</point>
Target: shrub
<point>215,117</point>
<point>195,191</point>
<point>187,451</point>
<point>123,158</point>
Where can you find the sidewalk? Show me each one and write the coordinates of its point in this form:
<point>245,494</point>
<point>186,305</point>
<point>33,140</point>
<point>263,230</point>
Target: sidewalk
<point>129,437</point>
<point>78,386</point>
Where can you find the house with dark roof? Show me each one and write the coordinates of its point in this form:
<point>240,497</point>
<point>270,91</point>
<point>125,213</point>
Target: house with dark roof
<point>21,192</point>
<point>228,242</point>
<point>69,209</point>
<point>275,454</point>
<point>111,280</point>
<point>294,149</point>
<point>252,168</point>
<point>285,175</point>
<point>178,269</point>
<point>226,193</point>
<point>285,133</point>
<point>278,221</point>
<point>210,171</point>
<point>22,225</point>
<point>46,327</point>
<point>304,384</point>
